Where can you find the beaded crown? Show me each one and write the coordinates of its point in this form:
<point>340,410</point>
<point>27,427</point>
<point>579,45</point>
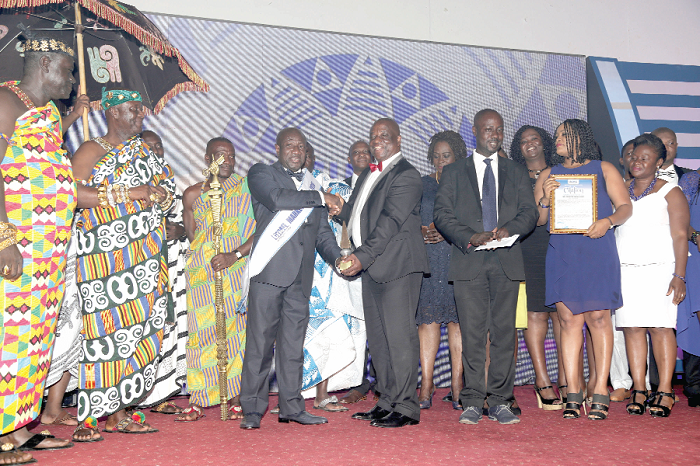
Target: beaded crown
<point>46,45</point>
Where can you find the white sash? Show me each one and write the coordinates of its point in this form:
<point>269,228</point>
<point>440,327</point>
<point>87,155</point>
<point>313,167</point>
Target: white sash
<point>282,227</point>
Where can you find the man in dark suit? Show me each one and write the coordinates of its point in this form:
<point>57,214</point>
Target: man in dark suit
<point>278,305</point>
<point>359,158</point>
<point>383,216</point>
<point>482,198</point>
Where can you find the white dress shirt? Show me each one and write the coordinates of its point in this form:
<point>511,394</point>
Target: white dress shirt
<point>480,167</point>
<point>669,174</point>
<point>353,181</point>
<point>367,186</point>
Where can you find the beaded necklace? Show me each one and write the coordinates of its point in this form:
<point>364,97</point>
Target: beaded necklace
<point>646,191</point>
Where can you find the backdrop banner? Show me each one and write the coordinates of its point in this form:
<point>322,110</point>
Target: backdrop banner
<point>334,86</point>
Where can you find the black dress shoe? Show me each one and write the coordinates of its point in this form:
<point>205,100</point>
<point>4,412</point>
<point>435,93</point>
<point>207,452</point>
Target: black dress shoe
<point>394,420</point>
<point>251,421</point>
<point>304,418</point>
<point>372,415</point>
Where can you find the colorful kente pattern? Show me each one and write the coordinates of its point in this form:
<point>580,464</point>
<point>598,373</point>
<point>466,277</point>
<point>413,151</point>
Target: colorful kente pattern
<point>39,199</point>
<point>122,285</point>
<point>238,226</point>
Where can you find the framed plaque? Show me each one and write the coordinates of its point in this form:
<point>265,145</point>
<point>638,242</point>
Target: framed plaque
<point>574,204</point>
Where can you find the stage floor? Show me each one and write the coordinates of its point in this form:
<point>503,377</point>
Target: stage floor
<point>541,438</point>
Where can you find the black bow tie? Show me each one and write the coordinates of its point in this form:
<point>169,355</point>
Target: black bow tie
<point>299,176</point>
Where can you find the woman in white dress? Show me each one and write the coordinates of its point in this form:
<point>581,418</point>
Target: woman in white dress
<point>653,250</point>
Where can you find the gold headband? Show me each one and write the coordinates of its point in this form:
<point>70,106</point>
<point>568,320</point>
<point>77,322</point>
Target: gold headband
<point>46,45</point>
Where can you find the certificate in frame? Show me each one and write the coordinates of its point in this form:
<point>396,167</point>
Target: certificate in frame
<point>574,204</point>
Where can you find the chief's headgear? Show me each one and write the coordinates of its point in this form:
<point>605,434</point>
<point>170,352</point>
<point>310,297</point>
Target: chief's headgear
<point>36,43</point>
<point>117,97</point>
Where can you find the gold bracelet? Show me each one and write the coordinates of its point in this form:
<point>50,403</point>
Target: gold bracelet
<point>8,242</point>
<point>102,195</point>
<point>167,202</point>
<point>7,230</point>
<point>119,193</point>
<point>127,196</point>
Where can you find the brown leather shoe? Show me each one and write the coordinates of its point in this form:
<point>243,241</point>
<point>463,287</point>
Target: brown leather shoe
<point>353,396</point>
<point>620,394</point>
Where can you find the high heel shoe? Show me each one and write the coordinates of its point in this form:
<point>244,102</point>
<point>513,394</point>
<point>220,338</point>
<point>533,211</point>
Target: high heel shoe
<point>547,404</point>
<point>599,407</point>
<point>426,404</point>
<point>562,393</point>
<point>633,407</point>
<point>656,409</point>
<point>573,405</point>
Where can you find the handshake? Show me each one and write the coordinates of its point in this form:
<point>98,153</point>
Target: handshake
<point>334,203</point>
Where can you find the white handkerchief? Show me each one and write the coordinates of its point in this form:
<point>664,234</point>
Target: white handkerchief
<point>504,243</point>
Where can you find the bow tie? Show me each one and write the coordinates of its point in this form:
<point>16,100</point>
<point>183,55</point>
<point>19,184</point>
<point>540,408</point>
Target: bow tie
<point>670,171</point>
<point>299,175</point>
<point>377,166</point>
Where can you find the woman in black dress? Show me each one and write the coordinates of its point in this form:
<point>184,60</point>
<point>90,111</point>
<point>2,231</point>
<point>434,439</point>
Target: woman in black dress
<point>437,301</point>
<point>533,147</point>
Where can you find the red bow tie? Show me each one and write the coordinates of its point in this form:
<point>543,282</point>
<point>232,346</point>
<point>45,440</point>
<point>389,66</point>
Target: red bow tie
<point>373,167</point>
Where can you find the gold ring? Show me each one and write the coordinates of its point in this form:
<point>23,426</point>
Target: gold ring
<point>153,197</point>
<point>6,270</point>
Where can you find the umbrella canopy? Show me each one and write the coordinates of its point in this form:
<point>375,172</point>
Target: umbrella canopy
<point>123,48</point>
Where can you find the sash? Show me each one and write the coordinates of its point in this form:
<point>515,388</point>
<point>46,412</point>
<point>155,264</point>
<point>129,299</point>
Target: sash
<point>281,228</point>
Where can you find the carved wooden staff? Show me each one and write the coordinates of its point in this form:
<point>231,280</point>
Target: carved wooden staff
<point>215,195</point>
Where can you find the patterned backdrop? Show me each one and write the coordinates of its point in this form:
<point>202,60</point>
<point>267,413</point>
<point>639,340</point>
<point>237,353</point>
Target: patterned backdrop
<point>334,86</point>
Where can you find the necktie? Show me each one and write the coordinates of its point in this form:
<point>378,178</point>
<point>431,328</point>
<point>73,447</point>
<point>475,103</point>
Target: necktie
<point>299,175</point>
<point>488,198</point>
<point>373,167</point>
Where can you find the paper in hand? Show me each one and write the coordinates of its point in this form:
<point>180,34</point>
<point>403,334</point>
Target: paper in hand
<point>504,243</point>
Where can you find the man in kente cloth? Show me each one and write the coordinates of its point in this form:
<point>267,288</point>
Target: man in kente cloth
<point>238,226</point>
<point>37,198</point>
<point>124,191</point>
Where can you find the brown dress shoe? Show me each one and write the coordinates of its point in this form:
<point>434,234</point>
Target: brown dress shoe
<point>620,394</point>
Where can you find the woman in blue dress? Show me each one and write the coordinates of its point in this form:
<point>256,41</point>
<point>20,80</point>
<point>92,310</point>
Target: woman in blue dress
<point>583,270</point>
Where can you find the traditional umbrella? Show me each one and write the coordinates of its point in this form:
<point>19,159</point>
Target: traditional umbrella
<point>125,50</point>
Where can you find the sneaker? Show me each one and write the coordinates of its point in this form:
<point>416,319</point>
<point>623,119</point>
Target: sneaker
<point>503,414</point>
<point>470,415</point>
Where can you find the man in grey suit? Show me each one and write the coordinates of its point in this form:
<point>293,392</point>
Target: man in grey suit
<point>383,216</point>
<point>482,198</point>
<point>278,305</point>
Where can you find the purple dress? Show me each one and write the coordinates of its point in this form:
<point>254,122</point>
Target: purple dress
<point>688,326</point>
<point>437,298</point>
<point>582,272</point>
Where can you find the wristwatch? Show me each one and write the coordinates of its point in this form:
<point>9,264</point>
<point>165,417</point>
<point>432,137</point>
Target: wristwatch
<point>238,254</point>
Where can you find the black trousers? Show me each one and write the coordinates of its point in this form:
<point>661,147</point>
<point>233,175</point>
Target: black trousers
<point>390,318</point>
<point>691,367</point>
<point>282,315</point>
<point>486,305</point>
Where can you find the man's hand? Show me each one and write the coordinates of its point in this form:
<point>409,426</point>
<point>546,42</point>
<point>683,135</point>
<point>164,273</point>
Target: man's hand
<point>144,192</point>
<point>334,203</point>
<point>500,233</point>
<point>481,238</point>
<point>81,103</point>
<point>11,258</point>
<point>354,269</point>
<point>431,235</point>
<point>173,230</point>
<point>223,261</point>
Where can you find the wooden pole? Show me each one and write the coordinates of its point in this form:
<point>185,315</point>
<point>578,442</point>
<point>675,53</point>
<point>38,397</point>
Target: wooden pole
<point>81,68</point>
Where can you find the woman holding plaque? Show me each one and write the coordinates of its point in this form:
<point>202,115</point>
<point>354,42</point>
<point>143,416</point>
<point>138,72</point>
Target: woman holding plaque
<point>436,305</point>
<point>653,278</point>
<point>583,269</point>
<point>534,147</point>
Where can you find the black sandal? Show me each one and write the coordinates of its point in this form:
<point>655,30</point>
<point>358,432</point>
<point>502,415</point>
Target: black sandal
<point>637,408</point>
<point>573,405</point>
<point>599,407</point>
<point>548,404</point>
<point>656,409</point>
<point>562,392</point>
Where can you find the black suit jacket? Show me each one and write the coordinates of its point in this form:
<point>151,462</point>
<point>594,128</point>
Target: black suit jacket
<point>680,171</point>
<point>273,190</point>
<point>457,215</point>
<point>348,181</point>
<point>392,245</point>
